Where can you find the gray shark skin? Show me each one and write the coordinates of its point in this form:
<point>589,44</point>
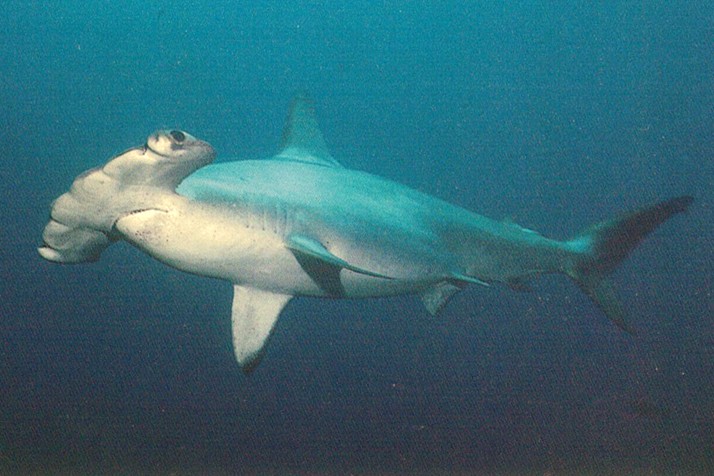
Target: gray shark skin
<point>301,224</point>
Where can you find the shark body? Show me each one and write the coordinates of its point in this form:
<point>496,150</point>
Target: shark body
<point>301,224</point>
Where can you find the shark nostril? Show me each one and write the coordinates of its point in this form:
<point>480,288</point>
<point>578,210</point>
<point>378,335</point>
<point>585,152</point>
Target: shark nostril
<point>178,136</point>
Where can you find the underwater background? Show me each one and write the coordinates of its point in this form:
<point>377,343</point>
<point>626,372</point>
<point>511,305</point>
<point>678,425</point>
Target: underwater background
<point>553,114</point>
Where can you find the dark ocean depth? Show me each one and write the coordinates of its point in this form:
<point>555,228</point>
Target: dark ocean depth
<point>555,115</point>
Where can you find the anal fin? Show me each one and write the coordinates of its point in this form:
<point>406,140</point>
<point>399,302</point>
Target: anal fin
<point>254,315</point>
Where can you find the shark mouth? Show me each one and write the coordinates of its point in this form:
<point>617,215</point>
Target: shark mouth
<point>133,212</point>
<point>148,148</point>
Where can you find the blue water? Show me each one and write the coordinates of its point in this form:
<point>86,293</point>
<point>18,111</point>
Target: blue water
<point>555,115</point>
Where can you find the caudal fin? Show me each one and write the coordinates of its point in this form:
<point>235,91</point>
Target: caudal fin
<point>601,248</point>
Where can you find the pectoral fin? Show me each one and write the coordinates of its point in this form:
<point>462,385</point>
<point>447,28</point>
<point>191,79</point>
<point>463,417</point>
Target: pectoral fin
<point>313,248</point>
<point>255,313</point>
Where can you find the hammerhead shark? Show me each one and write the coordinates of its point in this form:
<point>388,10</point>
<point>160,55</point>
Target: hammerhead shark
<point>301,224</point>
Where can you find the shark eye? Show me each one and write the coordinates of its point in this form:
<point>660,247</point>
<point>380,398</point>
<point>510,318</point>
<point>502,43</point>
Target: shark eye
<point>178,136</point>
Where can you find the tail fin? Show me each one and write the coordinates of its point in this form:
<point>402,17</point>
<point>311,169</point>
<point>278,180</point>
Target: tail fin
<point>601,248</point>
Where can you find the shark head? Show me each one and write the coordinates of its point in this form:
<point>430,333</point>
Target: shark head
<point>164,160</point>
<point>136,180</point>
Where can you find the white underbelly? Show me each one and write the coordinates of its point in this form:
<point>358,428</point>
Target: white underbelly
<point>209,242</point>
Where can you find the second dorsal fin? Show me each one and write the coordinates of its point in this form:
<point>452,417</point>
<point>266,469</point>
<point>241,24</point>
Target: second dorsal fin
<point>302,139</point>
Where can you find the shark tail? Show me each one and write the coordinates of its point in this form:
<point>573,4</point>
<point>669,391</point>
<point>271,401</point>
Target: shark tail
<point>602,247</point>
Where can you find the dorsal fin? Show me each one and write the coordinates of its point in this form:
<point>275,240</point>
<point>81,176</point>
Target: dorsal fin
<point>302,140</point>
